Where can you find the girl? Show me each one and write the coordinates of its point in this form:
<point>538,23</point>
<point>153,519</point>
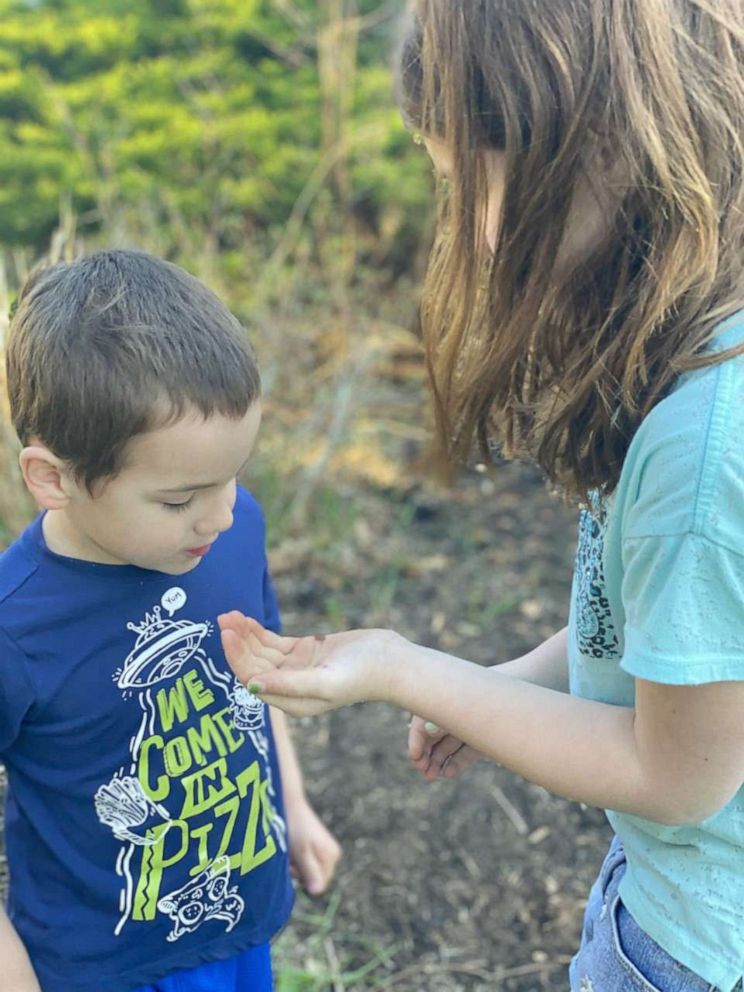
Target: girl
<point>583,309</point>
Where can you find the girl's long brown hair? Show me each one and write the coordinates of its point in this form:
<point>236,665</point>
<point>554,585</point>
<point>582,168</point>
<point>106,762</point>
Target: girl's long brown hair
<point>645,100</point>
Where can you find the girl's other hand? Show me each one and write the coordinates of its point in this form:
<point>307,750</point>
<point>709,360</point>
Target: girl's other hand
<point>307,675</point>
<point>435,753</point>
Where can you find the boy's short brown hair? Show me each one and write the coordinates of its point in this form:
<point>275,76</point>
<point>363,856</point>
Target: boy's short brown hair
<point>114,345</point>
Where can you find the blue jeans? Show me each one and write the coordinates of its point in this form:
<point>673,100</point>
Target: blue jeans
<point>249,971</point>
<point>615,954</point>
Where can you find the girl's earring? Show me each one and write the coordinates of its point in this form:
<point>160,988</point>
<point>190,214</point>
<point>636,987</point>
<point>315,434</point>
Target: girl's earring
<point>418,139</point>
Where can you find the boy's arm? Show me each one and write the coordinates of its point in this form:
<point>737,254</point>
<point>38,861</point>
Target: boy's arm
<point>314,851</point>
<point>16,973</point>
<point>293,787</point>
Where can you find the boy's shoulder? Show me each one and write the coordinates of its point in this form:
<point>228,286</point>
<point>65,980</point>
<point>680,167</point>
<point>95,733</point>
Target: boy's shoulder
<point>249,526</point>
<point>247,504</point>
<point>18,564</point>
<point>241,549</point>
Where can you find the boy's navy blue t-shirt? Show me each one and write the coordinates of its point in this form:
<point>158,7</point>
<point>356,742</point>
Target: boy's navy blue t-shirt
<point>145,826</point>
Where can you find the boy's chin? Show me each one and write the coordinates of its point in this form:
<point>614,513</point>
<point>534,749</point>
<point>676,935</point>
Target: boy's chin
<point>174,568</point>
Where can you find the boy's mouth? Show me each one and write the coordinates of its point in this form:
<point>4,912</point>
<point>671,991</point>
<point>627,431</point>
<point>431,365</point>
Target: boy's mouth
<point>199,552</point>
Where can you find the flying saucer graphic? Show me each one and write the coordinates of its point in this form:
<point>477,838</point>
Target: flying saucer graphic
<point>161,650</point>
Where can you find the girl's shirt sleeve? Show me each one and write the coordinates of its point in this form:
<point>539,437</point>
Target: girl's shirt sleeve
<point>684,607</point>
<point>17,695</point>
<point>682,524</point>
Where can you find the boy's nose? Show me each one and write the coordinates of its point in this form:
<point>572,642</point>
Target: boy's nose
<point>218,520</point>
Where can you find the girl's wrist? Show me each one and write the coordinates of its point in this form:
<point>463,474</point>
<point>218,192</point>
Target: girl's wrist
<point>393,655</point>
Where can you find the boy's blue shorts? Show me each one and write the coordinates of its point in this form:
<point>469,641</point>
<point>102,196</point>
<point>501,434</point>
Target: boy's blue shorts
<point>249,971</point>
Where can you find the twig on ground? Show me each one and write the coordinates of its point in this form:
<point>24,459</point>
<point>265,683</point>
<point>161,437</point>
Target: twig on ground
<point>511,812</point>
<point>337,982</point>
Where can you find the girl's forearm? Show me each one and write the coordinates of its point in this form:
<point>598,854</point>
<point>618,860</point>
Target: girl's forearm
<point>560,742</point>
<point>17,973</point>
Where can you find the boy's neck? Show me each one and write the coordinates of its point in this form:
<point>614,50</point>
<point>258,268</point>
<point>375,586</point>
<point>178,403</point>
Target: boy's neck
<point>63,538</point>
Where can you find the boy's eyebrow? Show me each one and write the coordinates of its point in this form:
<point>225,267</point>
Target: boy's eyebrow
<point>187,489</point>
<point>201,485</point>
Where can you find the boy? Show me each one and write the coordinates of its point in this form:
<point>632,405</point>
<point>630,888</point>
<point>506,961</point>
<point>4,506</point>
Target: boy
<point>146,831</point>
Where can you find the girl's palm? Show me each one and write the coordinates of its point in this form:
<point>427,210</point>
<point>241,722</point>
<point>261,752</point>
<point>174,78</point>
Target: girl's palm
<point>301,675</point>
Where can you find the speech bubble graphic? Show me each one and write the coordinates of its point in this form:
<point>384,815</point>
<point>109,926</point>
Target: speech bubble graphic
<point>173,600</point>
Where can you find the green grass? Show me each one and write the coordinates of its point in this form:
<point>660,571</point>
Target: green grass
<point>321,959</point>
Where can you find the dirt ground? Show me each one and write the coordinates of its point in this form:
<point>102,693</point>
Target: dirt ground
<point>474,884</point>
<point>464,886</point>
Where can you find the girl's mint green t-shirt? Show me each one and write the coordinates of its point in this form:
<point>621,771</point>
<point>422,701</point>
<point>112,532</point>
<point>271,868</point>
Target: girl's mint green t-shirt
<point>658,594</point>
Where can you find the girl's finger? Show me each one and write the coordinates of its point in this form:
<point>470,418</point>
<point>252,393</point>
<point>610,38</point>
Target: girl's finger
<point>233,646</point>
<point>254,632</point>
<point>422,764</point>
<point>418,744</point>
<point>260,649</point>
<point>231,618</point>
<point>444,750</point>
<point>437,759</point>
<point>300,693</point>
<point>268,638</point>
<point>420,739</point>
<point>296,707</point>
<point>299,683</point>
<point>247,656</point>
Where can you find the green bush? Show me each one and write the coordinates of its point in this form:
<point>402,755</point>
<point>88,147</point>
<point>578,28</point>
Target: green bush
<point>207,114</point>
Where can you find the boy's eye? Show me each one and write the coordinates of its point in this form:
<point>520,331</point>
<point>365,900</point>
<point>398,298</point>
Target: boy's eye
<point>178,506</point>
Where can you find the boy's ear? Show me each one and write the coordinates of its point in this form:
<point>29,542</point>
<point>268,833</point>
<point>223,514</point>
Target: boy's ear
<point>46,476</point>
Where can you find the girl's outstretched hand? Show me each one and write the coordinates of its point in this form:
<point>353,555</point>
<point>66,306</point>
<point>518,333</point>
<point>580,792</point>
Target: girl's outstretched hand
<point>307,675</point>
<point>435,753</point>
